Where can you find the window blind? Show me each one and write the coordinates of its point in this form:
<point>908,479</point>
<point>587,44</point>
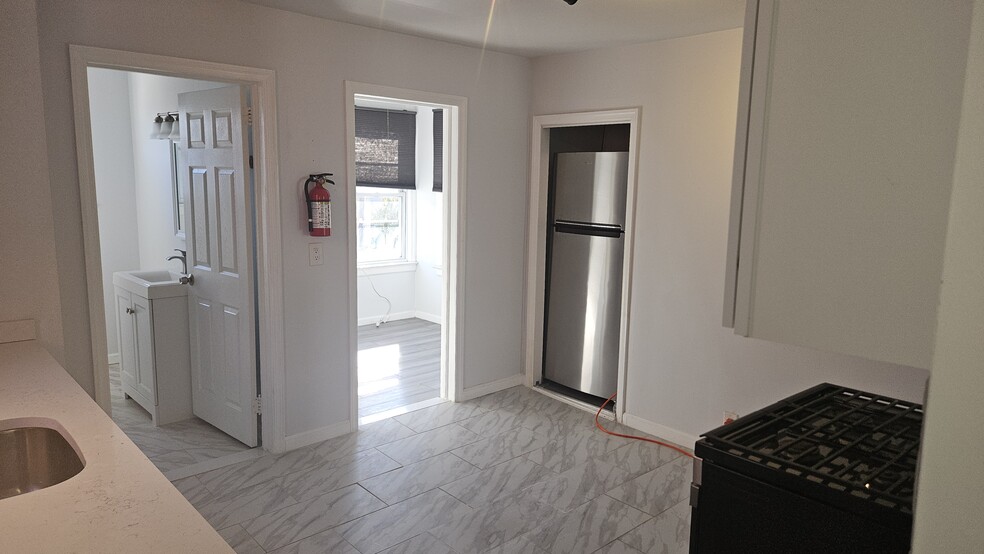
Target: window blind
<point>385,148</point>
<point>438,150</point>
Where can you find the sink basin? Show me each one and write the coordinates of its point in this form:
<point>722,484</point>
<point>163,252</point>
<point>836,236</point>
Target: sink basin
<point>151,284</point>
<point>159,276</point>
<point>34,458</point>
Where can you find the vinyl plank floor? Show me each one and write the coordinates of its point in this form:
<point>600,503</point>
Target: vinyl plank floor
<point>399,364</point>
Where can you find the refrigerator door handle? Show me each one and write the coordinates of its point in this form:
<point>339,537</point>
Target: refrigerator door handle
<point>581,228</point>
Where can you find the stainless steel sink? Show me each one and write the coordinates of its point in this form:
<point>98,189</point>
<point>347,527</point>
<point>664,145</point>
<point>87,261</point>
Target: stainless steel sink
<point>34,458</point>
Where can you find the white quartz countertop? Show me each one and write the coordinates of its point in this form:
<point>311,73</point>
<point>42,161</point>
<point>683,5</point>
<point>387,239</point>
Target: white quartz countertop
<point>119,502</point>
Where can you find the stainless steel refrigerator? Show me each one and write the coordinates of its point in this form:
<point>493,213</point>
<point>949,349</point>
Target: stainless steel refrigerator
<point>584,270</point>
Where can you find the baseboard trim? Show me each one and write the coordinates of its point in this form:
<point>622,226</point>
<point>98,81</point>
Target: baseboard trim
<point>679,438</point>
<point>114,358</point>
<point>372,320</point>
<point>428,317</point>
<point>494,386</point>
<point>313,436</point>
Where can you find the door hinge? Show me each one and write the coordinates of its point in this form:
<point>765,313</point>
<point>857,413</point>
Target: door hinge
<point>249,116</point>
<point>251,161</point>
<point>258,405</point>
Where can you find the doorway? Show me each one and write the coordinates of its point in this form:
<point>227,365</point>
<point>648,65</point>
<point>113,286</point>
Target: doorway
<point>255,204</point>
<point>404,163</point>
<point>144,219</point>
<point>538,244</point>
<point>165,370</point>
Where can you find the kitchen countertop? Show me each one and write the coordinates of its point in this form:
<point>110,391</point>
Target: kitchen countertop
<point>119,502</point>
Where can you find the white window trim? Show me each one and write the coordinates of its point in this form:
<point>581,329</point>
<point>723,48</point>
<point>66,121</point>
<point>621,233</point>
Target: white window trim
<point>410,242</point>
<point>381,268</point>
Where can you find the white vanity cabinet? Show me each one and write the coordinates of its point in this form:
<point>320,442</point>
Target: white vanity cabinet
<point>155,359</point>
<point>847,125</point>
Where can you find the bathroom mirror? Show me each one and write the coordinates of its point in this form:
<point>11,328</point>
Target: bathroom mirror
<point>177,194</point>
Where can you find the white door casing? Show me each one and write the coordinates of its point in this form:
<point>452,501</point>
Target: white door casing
<point>213,170</point>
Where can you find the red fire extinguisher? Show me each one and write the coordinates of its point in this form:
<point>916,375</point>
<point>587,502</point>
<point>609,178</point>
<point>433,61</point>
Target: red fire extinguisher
<point>318,204</point>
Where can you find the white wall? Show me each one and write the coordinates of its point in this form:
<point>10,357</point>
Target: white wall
<point>150,95</point>
<point>397,287</point>
<point>312,59</point>
<point>684,368</point>
<point>112,153</point>
<point>951,487</point>
<point>29,287</point>
<point>428,279</point>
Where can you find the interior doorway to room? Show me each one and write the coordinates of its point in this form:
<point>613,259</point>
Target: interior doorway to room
<point>400,233</point>
<point>174,192</point>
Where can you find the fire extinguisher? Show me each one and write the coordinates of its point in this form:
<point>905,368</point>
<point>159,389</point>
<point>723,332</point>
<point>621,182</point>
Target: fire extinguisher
<point>318,204</point>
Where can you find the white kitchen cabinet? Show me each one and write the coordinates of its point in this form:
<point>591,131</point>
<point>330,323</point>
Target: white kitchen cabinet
<point>847,124</point>
<point>155,360</point>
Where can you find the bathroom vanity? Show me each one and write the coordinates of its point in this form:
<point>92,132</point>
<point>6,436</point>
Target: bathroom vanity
<point>155,359</point>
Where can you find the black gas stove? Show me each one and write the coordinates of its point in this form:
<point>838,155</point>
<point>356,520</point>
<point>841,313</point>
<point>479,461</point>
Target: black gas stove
<point>830,469</point>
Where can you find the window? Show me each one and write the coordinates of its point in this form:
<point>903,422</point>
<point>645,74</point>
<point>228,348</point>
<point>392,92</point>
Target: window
<point>385,170</point>
<point>381,225</point>
<point>385,148</point>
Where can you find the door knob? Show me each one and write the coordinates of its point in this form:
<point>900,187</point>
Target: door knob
<point>130,311</point>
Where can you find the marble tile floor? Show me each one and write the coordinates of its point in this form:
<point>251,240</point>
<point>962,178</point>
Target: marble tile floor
<point>170,447</point>
<point>511,472</point>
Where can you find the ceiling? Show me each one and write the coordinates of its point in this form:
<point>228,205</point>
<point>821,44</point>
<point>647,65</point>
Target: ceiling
<point>530,27</point>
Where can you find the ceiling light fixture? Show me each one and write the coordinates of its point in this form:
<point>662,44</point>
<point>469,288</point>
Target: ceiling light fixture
<point>571,2</point>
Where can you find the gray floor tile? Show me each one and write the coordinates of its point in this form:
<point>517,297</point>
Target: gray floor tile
<point>658,490</point>
<point>282,527</point>
<point>519,545</point>
<point>240,541</point>
<point>578,485</point>
<point>589,527</point>
<point>570,449</point>
<point>617,547</point>
<point>639,457</point>
<point>498,481</point>
<point>428,444</point>
<point>315,481</point>
<point>667,533</point>
<point>414,479</point>
<point>492,423</point>
<point>500,448</point>
<point>239,505</point>
<point>422,543</point>
<point>321,543</point>
<point>496,524</point>
<point>402,521</point>
<point>438,416</point>
<point>193,490</point>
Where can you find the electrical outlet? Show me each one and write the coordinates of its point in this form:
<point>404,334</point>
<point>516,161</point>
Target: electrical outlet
<point>729,417</point>
<point>315,254</point>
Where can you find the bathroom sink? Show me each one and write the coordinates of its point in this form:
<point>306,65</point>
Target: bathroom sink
<point>34,458</point>
<point>160,276</point>
<point>151,284</point>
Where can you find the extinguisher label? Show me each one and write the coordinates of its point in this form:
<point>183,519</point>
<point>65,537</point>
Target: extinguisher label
<point>321,215</point>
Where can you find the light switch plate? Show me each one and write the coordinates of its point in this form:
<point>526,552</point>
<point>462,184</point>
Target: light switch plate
<point>315,254</point>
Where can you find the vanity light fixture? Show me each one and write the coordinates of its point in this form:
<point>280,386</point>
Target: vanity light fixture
<point>165,126</point>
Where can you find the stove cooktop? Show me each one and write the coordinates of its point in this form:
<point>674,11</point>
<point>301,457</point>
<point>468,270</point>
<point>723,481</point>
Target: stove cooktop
<point>852,442</point>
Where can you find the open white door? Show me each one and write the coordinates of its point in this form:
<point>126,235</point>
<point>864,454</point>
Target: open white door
<point>213,166</point>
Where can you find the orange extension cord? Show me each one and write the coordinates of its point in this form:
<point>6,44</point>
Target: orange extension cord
<point>654,441</point>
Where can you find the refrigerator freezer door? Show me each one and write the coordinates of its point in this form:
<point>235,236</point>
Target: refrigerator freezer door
<point>590,187</point>
<point>583,313</point>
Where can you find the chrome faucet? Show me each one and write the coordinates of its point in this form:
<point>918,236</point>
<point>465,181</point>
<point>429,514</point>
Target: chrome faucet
<point>186,278</point>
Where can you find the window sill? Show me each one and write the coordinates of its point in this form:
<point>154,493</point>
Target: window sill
<point>387,267</point>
